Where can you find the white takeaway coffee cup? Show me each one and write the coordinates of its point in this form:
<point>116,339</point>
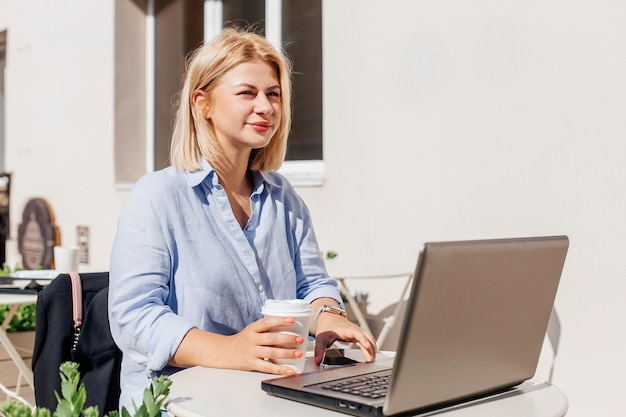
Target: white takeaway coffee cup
<point>301,311</point>
<point>66,258</point>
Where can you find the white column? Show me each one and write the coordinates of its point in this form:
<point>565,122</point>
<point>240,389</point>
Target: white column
<point>274,23</point>
<point>212,18</point>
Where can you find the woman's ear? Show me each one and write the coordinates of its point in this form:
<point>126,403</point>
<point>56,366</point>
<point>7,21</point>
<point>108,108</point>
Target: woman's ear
<point>200,101</point>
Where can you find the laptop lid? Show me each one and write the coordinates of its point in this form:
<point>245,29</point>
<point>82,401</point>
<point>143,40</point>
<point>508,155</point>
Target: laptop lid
<point>474,324</point>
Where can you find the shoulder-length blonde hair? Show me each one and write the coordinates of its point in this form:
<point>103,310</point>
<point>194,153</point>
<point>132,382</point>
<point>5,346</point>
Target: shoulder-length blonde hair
<point>193,136</point>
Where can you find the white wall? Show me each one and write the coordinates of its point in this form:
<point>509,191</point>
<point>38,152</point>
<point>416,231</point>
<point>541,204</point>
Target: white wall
<point>454,119</point>
<point>59,118</point>
<point>443,119</point>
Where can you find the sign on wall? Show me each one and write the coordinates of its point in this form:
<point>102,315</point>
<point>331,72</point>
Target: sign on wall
<point>37,235</point>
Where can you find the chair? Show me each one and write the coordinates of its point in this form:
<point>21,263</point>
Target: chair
<point>23,373</point>
<point>554,336</point>
<point>98,357</point>
<point>389,319</point>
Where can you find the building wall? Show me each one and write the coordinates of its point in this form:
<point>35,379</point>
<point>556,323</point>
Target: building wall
<point>442,120</point>
<point>59,117</point>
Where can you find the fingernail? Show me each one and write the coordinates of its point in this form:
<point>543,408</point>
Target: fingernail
<point>299,340</point>
<point>317,360</point>
<point>298,354</point>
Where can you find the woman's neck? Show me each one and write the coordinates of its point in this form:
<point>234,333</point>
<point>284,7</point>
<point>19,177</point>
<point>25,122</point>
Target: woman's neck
<point>237,183</point>
<point>232,169</point>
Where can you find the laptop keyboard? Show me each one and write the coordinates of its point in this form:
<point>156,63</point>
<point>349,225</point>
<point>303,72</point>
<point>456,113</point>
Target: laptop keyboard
<point>372,386</point>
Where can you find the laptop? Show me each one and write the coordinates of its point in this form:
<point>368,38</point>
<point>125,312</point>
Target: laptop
<point>474,325</point>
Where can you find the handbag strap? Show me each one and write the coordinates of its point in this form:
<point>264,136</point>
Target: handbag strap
<point>77,306</point>
<point>77,298</point>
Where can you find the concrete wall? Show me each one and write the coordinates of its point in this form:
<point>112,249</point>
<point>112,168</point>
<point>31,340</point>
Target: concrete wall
<point>442,120</point>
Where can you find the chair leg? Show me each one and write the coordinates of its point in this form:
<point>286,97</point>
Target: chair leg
<point>554,336</point>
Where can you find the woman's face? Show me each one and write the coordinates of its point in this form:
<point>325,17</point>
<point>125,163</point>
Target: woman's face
<point>245,106</point>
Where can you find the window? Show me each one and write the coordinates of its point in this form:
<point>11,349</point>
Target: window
<point>296,24</point>
<point>170,30</point>
<point>178,29</point>
<point>302,35</point>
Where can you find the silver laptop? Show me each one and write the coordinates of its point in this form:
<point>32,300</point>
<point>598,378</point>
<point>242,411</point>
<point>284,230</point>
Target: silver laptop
<point>474,325</point>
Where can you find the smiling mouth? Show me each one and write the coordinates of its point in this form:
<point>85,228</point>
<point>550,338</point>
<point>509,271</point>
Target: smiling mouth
<point>261,126</point>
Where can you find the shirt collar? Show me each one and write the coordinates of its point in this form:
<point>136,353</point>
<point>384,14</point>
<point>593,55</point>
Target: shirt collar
<point>197,177</point>
<point>265,177</point>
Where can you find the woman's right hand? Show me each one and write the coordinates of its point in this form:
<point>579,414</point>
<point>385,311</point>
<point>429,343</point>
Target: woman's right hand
<point>252,349</point>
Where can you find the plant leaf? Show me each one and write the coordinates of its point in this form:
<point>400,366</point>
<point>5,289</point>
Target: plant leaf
<point>42,412</point>
<point>15,408</point>
<point>91,411</point>
<point>64,409</point>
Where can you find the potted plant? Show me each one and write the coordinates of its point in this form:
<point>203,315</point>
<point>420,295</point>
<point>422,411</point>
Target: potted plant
<point>71,402</point>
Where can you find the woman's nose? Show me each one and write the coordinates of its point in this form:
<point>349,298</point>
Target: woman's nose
<point>262,104</point>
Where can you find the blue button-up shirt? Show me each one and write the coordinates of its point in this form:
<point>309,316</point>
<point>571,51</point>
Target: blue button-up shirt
<point>180,260</point>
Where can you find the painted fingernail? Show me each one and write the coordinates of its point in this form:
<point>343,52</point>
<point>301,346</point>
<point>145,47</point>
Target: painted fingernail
<point>298,354</point>
<point>299,340</point>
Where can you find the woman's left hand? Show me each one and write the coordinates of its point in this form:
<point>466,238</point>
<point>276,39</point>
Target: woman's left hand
<point>332,327</point>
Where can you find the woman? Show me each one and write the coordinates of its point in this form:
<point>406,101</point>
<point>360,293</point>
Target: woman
<point>202,244</point>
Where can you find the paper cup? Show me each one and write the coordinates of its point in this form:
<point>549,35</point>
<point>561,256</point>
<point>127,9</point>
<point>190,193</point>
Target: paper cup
<point>301,311</point>
<point>66,259</point>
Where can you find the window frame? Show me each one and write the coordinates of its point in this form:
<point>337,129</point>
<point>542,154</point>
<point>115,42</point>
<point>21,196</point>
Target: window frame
<point>301,173</point>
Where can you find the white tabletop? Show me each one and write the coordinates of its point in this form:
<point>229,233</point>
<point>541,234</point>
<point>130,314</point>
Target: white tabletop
<point>199,392</point>
<point>12,298</point>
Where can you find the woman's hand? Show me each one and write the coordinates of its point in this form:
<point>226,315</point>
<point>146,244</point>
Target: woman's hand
<point>246,350</point>
<point>332,327</point>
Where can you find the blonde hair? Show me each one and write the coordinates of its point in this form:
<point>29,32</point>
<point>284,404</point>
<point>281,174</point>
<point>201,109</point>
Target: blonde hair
<point>193,136</point>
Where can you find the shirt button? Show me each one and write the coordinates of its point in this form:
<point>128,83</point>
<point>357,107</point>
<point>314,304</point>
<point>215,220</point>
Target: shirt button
<point>260,287</point>
<point>248,254</point>
<point>249,228</point>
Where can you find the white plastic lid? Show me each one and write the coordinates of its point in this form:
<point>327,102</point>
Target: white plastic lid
<point>286,308</point>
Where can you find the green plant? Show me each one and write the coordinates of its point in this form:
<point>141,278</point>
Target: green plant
<point>73,396</point>
<point>330,254</point>
<point>23,320</point>
<point>7,271</point>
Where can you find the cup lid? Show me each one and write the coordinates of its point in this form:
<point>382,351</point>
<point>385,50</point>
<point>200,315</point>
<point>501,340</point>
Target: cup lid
<point>282,307</point>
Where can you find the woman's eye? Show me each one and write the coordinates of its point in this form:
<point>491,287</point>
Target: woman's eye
<point>247,93</point>
<point>273,94</point>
